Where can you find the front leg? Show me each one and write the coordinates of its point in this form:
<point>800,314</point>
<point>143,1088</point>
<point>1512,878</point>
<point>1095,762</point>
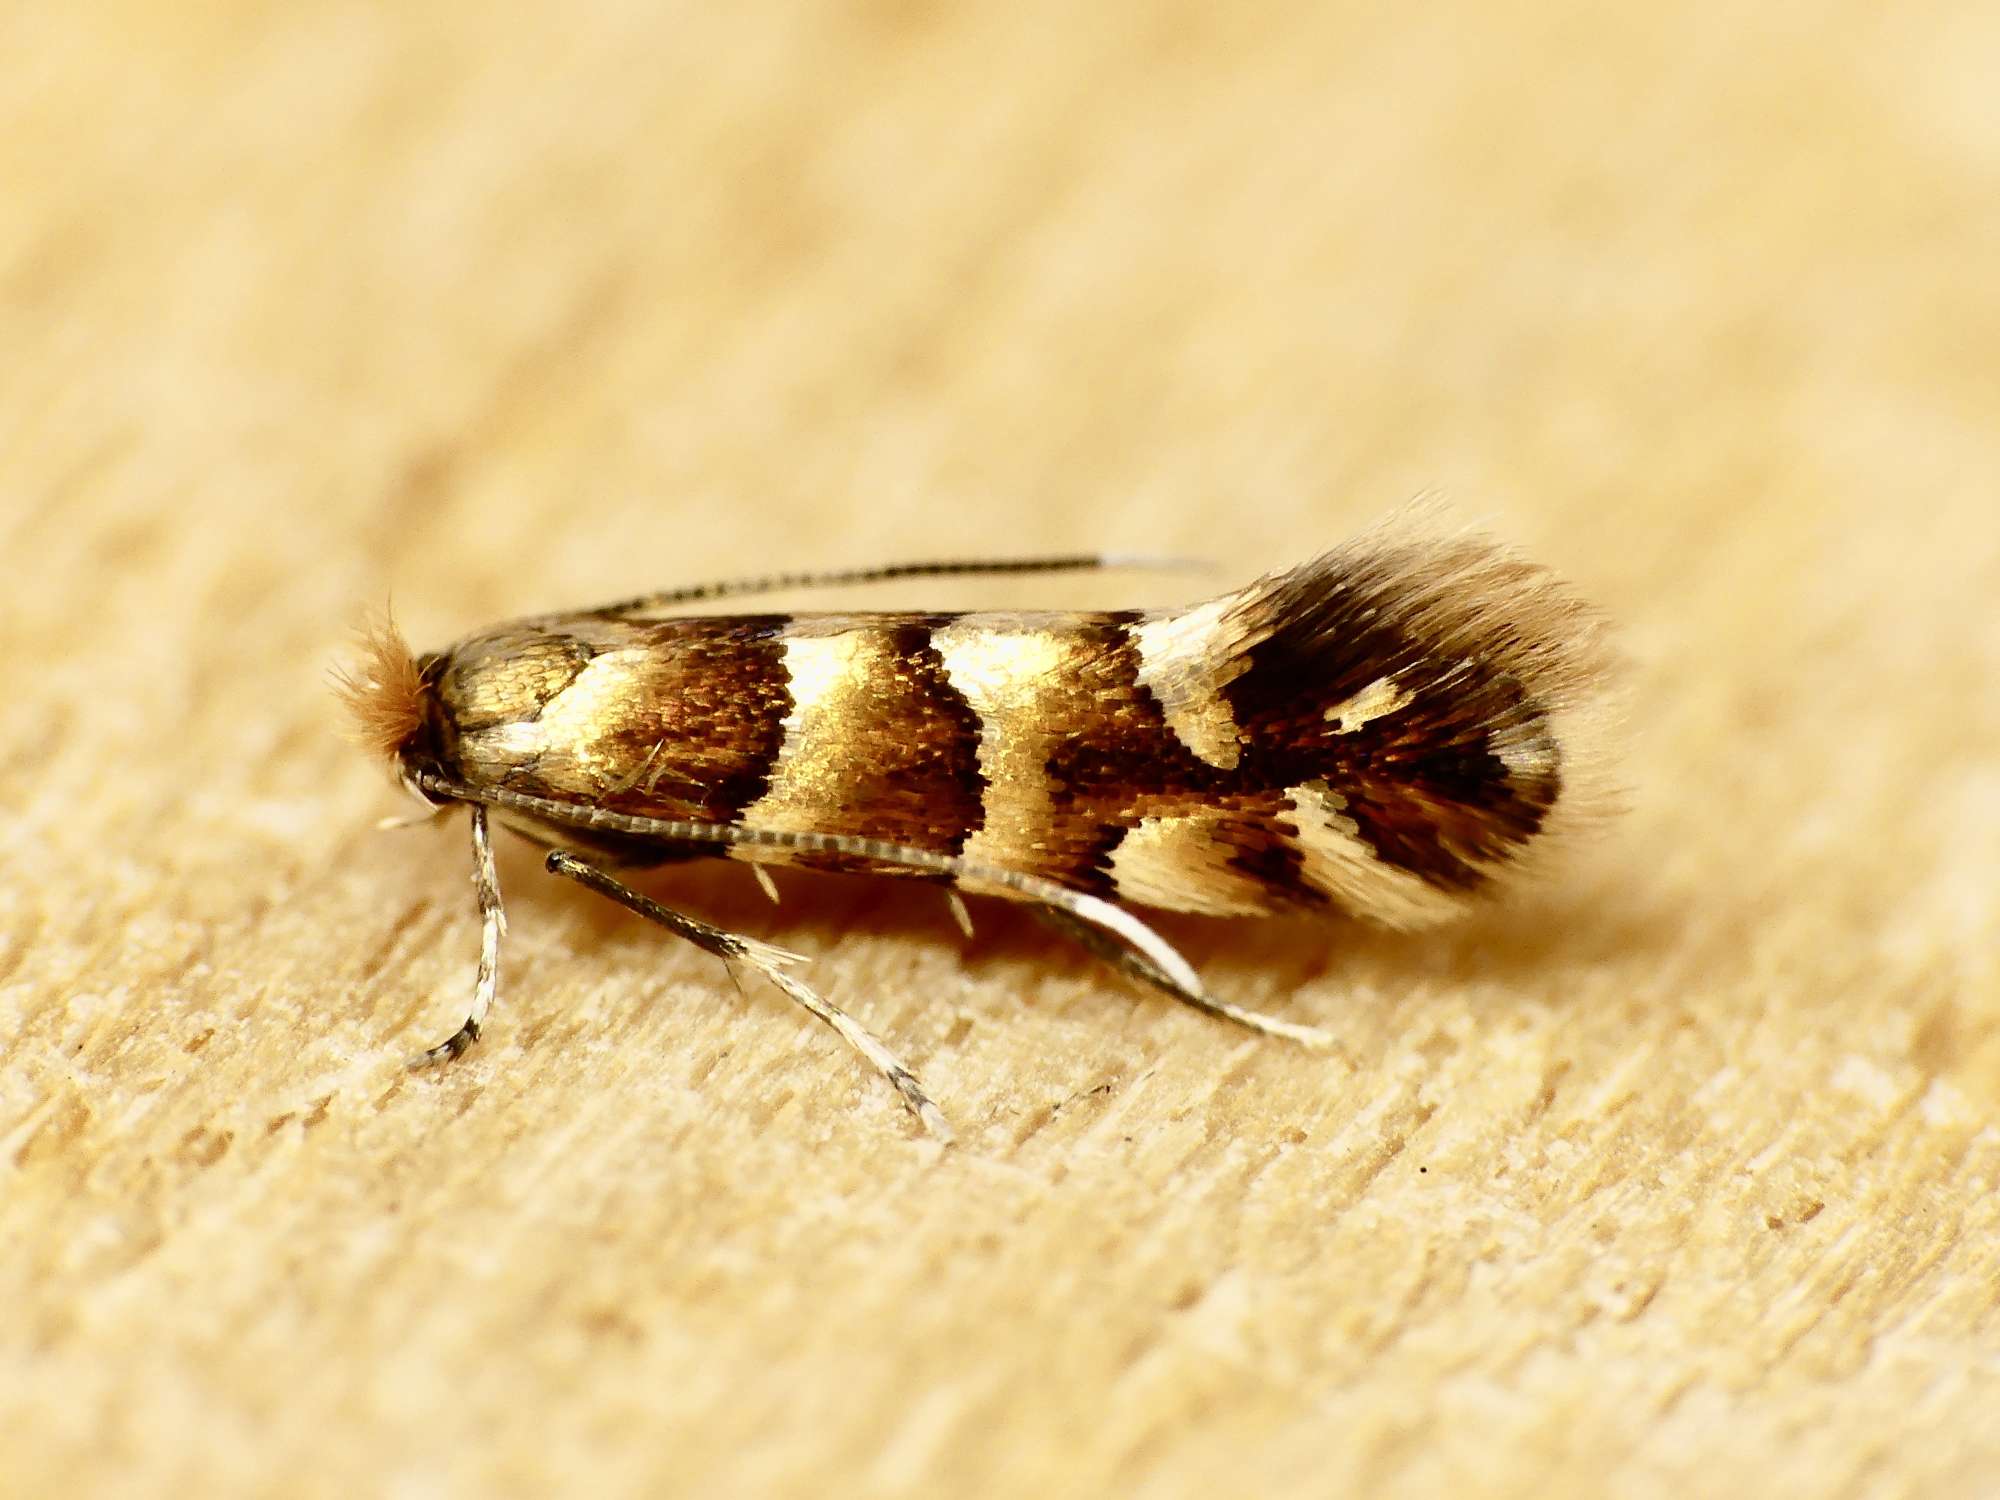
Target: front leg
<point>493,926</point>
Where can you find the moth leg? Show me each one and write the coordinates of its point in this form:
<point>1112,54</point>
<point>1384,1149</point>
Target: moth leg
<point>958,912</point>
<point>493,926</point>
<point>1128,960</point>
<point>770,961</point>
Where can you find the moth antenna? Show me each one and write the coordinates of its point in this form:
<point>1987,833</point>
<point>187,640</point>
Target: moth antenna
<point>1079,562</point>
<point>380,687</point>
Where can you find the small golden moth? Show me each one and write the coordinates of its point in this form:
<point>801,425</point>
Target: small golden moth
<point>1391,730</point>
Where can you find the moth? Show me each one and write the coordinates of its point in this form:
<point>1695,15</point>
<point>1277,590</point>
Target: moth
<point>1392,730</point>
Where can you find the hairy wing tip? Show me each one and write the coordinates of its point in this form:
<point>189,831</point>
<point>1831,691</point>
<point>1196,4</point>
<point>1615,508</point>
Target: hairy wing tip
<point>1459,588</point>
<point>1437,596</point>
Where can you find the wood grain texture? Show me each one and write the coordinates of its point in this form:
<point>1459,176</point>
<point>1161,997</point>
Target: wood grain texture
<point>1681,1178</point>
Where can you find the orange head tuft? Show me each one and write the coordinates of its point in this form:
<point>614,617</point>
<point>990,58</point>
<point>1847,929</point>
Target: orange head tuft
<point>381,688</point>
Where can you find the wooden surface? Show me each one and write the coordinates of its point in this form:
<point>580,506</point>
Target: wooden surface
<point>1679,1178</point>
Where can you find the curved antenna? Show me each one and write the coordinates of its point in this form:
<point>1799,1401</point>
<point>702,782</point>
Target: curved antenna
<point>1075,562</point>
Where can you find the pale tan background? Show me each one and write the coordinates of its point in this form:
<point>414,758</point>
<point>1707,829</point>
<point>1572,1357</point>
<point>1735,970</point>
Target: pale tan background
<point>1679,1179</point>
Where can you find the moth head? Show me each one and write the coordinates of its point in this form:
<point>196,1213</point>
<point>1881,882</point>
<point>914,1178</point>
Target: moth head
<point>467,716</point>
<point>391,698</point>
